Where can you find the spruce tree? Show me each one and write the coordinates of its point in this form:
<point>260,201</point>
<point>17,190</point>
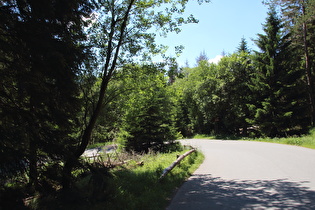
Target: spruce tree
<point>243,47</point>
<point>148,109</point>
<point>275,82</point>
<point>299,20</point>
<point>40,58</point>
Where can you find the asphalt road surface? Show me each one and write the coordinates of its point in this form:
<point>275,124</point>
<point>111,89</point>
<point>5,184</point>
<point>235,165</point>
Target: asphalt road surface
<point>249,175</point>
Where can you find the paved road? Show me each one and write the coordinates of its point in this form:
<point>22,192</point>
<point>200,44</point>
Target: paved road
<point>249,175</point>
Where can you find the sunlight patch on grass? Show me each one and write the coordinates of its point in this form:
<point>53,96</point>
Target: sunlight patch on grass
<point>203,136</point>
<point>140,188</point>
<point>307,141</point>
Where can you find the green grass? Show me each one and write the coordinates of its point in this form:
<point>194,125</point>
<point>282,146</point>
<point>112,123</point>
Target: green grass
<point>100,144</point>
<point>307,141</point>
<point>221,137</point>
<point>127,187</point>
<point>203,136</point>
<point>140,187</point>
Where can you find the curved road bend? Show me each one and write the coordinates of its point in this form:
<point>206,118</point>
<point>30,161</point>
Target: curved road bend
<point>249,175</point>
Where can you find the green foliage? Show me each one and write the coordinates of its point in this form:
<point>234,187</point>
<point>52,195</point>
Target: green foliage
<point>147,117</point>
<point>203,136</point>
<point>140,188</point>
<point>307,140</point>
<point>119,32</point>
<point>56,99</point>
<point>213,98</point>
<point>193,92</point>
<point>139,109</point>
<point>276,81</point>
<point>40,59</point>
<point>260,93</point>
<point>128,187</point>
<point>243,46</point>
<point>299,19</point>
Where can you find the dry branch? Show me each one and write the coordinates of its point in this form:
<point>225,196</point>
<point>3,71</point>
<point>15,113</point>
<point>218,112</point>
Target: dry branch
<point>179,159</point>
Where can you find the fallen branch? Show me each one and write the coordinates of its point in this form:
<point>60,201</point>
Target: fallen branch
<point>179,159</point>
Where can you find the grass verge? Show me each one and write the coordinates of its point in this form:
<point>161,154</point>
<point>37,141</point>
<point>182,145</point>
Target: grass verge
<point>140,187</point>
<point>307,141</point>
<point>130,186</point>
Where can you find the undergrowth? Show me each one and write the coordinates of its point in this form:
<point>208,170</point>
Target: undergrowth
<point>140,188</point>
<point>135,185</point>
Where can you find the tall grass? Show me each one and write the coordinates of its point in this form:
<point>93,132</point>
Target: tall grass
<point>307,141</point>
<point>132,186</point>
<point>140,188</point>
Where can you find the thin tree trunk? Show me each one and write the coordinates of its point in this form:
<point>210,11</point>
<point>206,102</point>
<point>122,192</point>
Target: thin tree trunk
<point>108,70</point>
<point>33,173</point>
<point>33,146</point>
<point>308,72</point>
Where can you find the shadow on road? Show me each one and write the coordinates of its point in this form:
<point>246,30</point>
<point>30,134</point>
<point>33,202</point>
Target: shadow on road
<point>207,192</point>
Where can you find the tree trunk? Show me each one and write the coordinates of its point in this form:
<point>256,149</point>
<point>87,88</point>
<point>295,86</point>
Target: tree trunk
<point>33,173</point>
<point>179,159</point>
<point>32,134</point>
<point>108,70</point>
<point>308,72</point>
<point>245,131</point>
<point>72,159</point>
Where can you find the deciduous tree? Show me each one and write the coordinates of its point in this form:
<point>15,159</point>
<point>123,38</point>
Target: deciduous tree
<point>122,31</point>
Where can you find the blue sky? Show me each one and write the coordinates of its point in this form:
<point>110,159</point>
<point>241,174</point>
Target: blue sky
<point>222,25</point>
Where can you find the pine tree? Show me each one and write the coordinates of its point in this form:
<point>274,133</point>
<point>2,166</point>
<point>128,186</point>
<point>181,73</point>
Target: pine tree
<point>202,57</point>
<point>148,115</point>
<point>276,80</point>
<point>243,47</point>
<point>40,58</point>
<point>299,20</point>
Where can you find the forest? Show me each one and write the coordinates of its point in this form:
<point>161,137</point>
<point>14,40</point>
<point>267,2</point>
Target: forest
<point>75,73</point>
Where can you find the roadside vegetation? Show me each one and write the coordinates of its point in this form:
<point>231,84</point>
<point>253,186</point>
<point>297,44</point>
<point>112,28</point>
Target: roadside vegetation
<point>307,140</point>
<point>132,185</point>
<point>78,73</point>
